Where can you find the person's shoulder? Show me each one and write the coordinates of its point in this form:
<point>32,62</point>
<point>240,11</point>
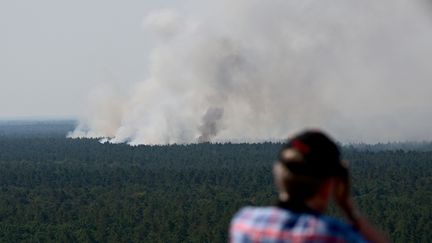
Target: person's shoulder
<point>259,217</point>
<point>260,210</point>
<point>255,219</point>
<point>338,228</point>
<point>251,213</point>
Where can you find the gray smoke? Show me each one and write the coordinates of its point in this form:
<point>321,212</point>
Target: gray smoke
<point>210,124</point>
<point>264,69</point>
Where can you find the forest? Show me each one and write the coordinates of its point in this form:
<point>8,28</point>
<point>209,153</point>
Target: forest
<point>56,189</point>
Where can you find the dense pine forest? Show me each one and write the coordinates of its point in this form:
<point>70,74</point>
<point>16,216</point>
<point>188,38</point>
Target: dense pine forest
<point>55,189</point>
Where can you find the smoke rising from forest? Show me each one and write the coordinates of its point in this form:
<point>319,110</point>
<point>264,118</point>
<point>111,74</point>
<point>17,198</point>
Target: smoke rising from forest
<point>251,70</point>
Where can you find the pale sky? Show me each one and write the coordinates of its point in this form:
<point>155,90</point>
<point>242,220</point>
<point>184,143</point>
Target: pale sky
<point>149,71</point>
<point>53,52</point>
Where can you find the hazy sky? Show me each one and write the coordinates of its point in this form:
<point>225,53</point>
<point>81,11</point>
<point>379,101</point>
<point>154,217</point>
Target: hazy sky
<point>173,71</point>
<point>53,52</point>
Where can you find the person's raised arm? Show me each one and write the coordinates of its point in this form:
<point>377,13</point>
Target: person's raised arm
<point>345,202</point>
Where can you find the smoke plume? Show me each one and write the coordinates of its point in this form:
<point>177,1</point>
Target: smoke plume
<point>251,70</point>
<point>210,126</point>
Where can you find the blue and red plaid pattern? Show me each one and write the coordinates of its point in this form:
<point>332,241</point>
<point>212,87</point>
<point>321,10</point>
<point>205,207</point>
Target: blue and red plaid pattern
<point>274,224</point>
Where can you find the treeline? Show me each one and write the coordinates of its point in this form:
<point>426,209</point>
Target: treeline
<point>32,128</point>
<point>55,189</point>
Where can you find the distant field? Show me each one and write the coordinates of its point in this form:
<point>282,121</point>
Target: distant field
<point>55,189</point>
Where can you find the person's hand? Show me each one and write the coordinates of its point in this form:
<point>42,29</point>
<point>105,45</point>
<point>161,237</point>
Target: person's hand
<point>343,197</point>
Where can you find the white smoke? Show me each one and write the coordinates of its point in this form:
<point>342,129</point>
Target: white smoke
<point>251,70</point>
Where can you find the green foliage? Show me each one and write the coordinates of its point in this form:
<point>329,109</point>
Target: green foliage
<point>55,189</point>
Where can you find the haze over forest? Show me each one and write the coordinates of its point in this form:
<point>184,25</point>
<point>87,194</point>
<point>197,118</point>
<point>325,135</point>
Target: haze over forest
<point>169,72</point>
<point>205,92</point>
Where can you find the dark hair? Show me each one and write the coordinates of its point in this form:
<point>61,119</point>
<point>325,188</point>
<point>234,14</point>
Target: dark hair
<point>309,158</point>
<point>301,188</point>
<point>320,155</point>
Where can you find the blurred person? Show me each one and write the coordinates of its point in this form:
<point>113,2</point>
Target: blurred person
<point>308,174</point>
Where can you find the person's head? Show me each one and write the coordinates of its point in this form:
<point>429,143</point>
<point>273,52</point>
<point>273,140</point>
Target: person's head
<point>308,167</point>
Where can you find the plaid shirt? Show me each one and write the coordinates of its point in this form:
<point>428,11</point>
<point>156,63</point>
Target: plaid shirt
<point>276,224</point>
